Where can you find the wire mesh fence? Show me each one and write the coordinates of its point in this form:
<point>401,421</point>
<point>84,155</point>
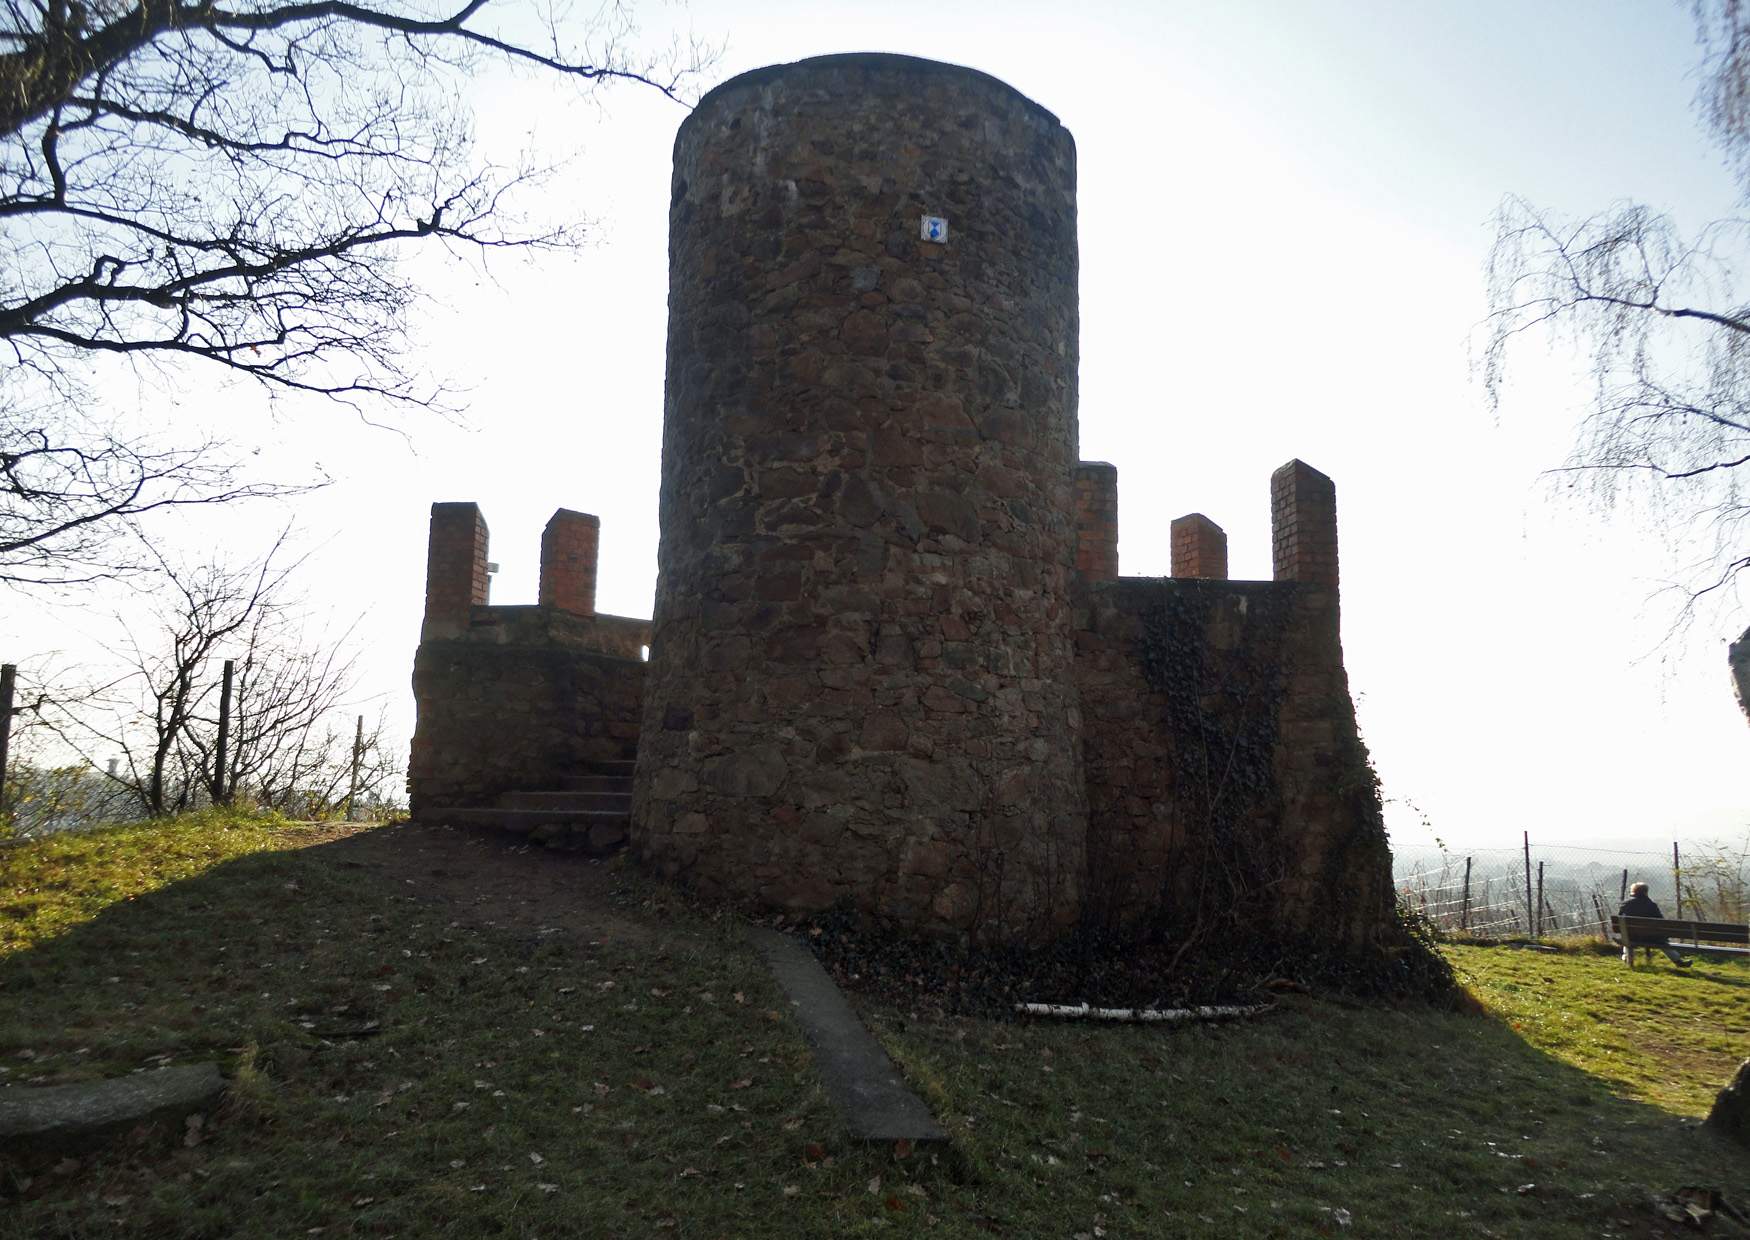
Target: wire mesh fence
<point>1546,889</point>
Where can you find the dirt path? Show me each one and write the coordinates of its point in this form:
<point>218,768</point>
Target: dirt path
<point>495,881</point>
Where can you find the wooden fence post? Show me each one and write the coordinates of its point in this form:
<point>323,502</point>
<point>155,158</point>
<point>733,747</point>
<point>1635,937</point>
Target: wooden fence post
<point>1677,879</point>
<point>1623,893</point>
<point>222,795</point>
<point>1539,933</point>
<point>1464,917</point>
<point>1529,910</point>
<point>8,679</point>
<point>358,749</point>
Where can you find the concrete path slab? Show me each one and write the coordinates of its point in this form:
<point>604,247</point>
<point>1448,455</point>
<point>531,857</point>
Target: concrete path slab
<point>65,1117</point>
<point>859,1076</point>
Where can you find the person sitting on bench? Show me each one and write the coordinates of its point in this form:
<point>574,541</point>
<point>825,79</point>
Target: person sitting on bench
<point>1640,904</point>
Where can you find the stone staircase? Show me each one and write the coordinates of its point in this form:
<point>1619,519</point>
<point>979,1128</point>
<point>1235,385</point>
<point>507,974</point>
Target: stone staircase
<point>591,813</point>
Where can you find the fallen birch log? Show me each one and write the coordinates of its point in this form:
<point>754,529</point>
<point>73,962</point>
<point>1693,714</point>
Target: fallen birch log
<point>1146,1016</point>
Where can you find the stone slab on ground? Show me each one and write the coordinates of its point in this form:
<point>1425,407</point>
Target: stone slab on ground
<point>61,1117</point>
<point>859,1076</point>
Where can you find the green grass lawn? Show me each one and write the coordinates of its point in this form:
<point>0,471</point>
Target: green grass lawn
<point>431,1035</point>
<point>1667,1036</point>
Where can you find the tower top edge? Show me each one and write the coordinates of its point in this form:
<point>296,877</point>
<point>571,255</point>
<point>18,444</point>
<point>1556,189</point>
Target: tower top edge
<point>891,62</point>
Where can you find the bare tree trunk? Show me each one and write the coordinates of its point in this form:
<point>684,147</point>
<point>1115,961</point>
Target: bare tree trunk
<point>1738,656</point>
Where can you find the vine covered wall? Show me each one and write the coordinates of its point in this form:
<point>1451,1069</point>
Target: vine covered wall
<point>1227,783</point>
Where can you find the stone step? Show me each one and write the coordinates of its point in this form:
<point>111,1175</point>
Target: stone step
<point>617,766</point>
<point>615,800</point>
<point>598,783</point>
<point>522,821</point>
<point>595,831</point>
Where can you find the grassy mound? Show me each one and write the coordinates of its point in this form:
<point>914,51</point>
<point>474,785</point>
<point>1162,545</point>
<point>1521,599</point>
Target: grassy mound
<point>433,1035</point>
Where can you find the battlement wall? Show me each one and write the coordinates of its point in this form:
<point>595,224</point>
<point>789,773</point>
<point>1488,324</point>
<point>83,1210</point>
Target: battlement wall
<point>513,698</point>
<point>1223,763</point>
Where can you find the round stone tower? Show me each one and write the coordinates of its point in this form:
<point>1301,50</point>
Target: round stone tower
<point>860,686</point>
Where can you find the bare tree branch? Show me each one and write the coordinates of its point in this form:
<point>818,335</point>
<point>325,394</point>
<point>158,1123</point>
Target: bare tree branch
<point>65,496</point>
<point>1663,323</point>
<point>235,187</point>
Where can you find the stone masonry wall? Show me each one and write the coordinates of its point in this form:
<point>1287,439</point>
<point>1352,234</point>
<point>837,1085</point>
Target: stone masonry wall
<point>1225,770</point>
<point>1219,732</point>
<point>861,684</point>
<point>521,698</point>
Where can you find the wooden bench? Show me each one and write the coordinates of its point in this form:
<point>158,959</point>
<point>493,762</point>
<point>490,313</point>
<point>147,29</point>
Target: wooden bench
<point>1722,937</point>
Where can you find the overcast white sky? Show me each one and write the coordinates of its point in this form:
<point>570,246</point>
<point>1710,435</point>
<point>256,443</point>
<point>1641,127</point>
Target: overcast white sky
<point>1285,211</point>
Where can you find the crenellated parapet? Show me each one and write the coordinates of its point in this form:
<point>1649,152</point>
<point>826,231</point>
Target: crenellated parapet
<point>568,561</point>
<point>1219,739</point>
<point>1096,500</point>
<point>457,574</point>
<point>1303,525</point>
<point>518,697</point>
<point>1199,548</point>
